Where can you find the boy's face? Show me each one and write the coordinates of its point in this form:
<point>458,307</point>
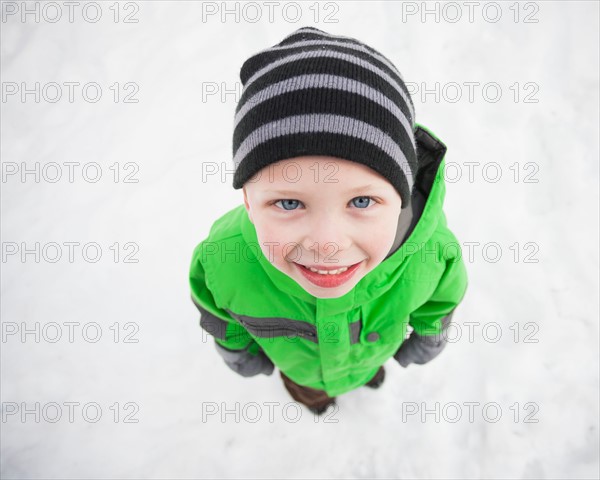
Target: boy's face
<point>323,212</point>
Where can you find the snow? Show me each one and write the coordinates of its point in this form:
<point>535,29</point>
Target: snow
<point>532,392</point>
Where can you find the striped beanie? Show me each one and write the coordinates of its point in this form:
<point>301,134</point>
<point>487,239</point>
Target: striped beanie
<point>320,94</point>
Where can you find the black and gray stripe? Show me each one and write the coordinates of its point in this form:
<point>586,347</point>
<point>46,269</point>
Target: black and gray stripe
<point>319,94</point>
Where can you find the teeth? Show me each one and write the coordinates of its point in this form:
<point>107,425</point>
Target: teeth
<point>330,272</point>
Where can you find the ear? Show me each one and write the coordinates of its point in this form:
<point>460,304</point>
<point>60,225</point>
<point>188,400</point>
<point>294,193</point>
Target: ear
<point>247,205</point>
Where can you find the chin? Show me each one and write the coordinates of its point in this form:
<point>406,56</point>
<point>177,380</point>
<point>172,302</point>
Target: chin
<point>328,297</point>
<point>325,293</point>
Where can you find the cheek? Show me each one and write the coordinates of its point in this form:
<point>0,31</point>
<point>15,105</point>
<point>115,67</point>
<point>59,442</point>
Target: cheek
<point>381,238</point>
<point>279,233</point>
<point>273,243</point>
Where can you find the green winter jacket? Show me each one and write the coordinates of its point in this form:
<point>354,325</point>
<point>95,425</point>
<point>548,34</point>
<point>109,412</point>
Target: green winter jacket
<point>336,344</point>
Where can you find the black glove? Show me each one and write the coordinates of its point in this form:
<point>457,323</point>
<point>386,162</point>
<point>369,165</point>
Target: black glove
<point>244,363</point>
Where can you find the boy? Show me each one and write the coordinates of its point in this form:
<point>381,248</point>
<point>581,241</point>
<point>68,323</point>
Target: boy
<point>341,242</point>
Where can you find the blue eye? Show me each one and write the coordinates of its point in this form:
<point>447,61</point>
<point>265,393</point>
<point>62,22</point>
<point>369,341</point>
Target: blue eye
<point>359,202</point>
<point>286,203</point>
<point>364,202</point>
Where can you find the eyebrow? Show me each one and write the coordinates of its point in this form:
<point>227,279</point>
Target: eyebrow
<point>293,192</point>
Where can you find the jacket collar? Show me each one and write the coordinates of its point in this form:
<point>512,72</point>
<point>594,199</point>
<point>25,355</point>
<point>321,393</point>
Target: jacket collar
<point>416,224</point>
<point>430,153</point>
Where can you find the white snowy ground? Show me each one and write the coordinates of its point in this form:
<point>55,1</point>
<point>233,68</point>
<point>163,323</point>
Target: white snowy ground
<point>534,405</point>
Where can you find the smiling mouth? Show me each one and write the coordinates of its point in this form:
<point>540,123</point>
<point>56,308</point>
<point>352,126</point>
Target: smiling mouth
<point>322,270</point>
<point>326,270</point>
<point>330,278</point>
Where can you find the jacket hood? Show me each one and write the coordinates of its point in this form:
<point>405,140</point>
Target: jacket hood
<point>416,224</point>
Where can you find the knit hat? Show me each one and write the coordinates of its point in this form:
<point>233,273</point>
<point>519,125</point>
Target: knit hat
<point>320,94</point>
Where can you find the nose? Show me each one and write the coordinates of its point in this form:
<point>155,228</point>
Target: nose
<point>325,234</point>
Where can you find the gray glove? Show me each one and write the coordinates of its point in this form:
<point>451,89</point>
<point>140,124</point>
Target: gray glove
<point>419,349</point>
<point>244,363</point>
